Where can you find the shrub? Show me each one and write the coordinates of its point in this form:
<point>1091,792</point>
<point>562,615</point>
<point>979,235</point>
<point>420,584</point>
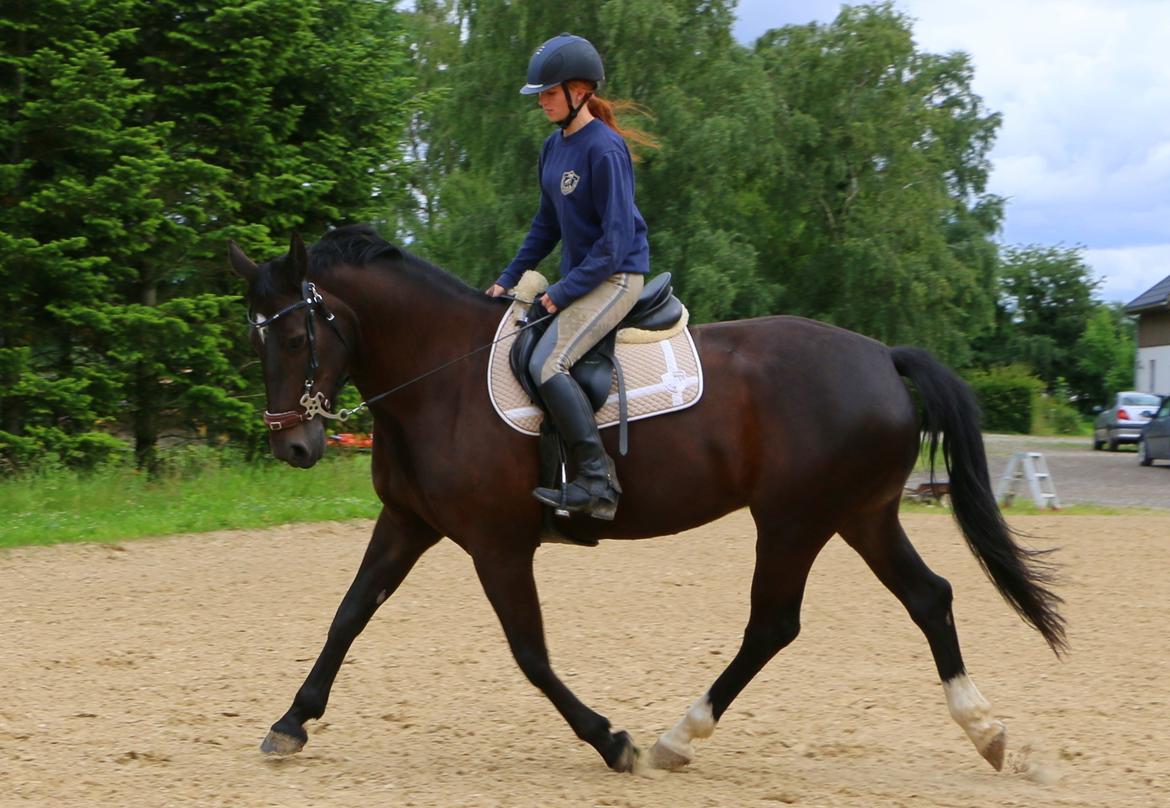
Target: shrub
<point>48,448</point>
<point>1008,396</point>
<point>1055,414</point>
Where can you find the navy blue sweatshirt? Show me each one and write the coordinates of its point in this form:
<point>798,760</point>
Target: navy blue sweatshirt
<point>587,202</point>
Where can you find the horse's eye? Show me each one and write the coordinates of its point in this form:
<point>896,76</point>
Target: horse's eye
<point>295,343</point>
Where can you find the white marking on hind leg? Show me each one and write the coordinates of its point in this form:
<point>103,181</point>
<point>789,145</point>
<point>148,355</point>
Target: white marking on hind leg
<point>674,750</point>
<point>973,713</point>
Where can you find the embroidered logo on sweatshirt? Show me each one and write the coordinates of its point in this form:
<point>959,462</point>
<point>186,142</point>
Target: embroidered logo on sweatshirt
<point>569,182</point>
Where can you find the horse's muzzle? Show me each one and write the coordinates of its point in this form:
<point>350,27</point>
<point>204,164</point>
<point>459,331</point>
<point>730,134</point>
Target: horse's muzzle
<point>300,446</point>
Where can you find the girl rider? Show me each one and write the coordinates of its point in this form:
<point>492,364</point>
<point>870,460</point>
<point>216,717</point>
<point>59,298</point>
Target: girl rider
<point>586,203</point>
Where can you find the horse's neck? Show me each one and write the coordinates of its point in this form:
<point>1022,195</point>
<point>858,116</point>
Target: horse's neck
<point>410,324</point>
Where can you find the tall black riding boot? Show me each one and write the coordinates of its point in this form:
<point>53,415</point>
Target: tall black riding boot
<point>595,489</point>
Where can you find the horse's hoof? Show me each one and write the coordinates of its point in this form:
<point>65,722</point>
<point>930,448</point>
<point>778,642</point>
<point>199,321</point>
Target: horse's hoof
<point>626,754</point>
<point>663,757</point>
<point>279,743</point>
<point>993,753</point>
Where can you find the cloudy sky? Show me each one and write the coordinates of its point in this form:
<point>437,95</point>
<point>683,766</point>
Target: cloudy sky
<point>1083,154</point>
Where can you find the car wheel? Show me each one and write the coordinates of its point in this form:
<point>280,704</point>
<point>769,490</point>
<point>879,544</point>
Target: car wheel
<point>1113,444</point>
<point>1097,444</point>
<point>1144,453</point>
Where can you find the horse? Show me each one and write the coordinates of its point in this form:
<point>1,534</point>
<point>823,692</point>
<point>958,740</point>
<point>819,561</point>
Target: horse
<point>810,426</point>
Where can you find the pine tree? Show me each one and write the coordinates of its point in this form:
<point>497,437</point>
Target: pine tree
<point>140,137</point>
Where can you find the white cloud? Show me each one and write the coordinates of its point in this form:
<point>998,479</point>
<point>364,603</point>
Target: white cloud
<point>1126,272</point>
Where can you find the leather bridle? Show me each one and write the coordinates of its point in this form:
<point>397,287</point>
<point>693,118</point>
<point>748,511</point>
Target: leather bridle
<point>315,404</point>
<point>312,404</point>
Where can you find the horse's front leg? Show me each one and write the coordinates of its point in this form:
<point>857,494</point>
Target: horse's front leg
<point>396,544</point>
<point>508,581</point>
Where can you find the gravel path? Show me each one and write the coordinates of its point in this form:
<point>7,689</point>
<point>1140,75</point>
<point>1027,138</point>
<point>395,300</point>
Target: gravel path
<point>1081,475</point>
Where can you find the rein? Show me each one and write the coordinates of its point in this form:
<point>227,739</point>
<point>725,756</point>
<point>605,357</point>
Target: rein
<point>316,404</point>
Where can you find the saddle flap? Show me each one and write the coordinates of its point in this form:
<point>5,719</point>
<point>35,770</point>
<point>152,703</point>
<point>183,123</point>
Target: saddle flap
<point>593,372</point>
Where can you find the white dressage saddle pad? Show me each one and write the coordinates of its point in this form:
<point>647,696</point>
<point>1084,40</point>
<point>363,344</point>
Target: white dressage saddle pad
<point>662,374</point>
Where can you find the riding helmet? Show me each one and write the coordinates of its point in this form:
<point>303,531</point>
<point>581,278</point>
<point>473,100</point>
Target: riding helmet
<point>560,59</point>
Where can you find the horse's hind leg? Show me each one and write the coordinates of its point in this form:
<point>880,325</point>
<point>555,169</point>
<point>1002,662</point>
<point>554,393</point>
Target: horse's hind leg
<point>508,582</point>
<point>783,560</point>
<point>882,543</point>
<point>396,544</point>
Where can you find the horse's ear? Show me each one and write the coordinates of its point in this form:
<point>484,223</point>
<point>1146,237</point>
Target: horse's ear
<point>299,258</point>
<point>243,266</point>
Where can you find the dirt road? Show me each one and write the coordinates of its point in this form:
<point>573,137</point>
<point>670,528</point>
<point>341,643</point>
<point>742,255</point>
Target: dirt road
<point>147,674</point>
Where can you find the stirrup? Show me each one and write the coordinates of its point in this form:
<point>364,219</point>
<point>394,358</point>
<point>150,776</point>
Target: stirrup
<point>602,507</point>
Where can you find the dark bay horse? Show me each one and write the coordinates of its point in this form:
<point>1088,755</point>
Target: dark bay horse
<point>809,426</point>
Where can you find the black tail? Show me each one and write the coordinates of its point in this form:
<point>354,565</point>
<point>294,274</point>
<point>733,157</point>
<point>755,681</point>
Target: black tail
<point>952,413</point>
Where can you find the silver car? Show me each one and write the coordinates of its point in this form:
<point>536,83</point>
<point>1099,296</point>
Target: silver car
<point>1155,442</point>
<point>1123,422</point>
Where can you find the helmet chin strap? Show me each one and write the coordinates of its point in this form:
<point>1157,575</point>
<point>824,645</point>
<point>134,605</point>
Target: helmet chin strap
<point>568,119</point>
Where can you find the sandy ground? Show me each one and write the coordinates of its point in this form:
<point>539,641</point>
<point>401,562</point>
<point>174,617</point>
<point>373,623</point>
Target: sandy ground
<point>147,674</point>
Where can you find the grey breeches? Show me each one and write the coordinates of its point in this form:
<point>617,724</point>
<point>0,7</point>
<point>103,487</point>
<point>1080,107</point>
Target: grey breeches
<point>582,324</point>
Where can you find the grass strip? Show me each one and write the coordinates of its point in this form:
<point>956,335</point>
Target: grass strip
<point>119,504</point>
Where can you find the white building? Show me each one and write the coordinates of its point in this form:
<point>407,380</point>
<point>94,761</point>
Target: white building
<point>1152,308</point>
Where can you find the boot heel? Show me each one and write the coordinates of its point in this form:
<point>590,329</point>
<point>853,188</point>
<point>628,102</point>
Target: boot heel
<point>603,510</point>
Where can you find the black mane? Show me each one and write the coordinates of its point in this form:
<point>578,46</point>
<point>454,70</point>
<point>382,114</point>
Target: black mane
<point>353,244</point>
<point>360,245</point>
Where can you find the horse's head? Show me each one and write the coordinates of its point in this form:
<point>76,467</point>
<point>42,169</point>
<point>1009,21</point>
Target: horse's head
<point>303,337</point>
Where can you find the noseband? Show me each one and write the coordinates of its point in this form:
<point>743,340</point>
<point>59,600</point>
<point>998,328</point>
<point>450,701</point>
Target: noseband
<point>313,404</point>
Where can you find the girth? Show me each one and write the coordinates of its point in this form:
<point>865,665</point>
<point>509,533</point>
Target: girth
<point>657,309</point>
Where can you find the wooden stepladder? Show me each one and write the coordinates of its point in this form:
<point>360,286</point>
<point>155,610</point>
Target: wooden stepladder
<point>1032,467</point>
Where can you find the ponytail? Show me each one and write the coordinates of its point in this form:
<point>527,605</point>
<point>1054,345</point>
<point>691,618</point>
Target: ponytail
<point>607,111</point>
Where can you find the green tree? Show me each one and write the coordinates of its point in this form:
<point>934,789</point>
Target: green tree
<point>1105,354</point>
<point>701,192</point>
<point>84,203</point>
<point>833,171</point>
<point>888,226</point>
<point>476,145</point>
<point>301,104</point>
<point>140,136</point>
<point>1046,301</point>
<point>706,192</point>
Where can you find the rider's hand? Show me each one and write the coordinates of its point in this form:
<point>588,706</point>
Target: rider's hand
<point>495,290</point>
<point>548,304</point>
